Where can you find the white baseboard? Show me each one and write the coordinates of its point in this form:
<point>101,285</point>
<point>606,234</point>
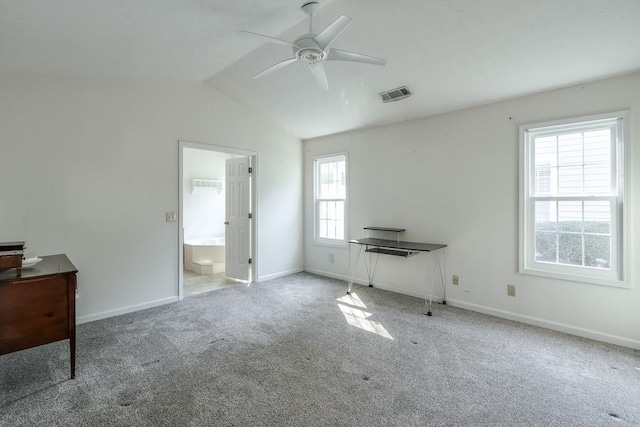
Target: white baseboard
<point>326,273</point>
<point>156,303</point>
<point>125,310</point>
<point>383,286</point>
<point>555,326</point>
<point>535,321</point>
<point>279,274</point>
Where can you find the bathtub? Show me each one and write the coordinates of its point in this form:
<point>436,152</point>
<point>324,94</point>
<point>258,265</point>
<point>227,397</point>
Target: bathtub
<point>204,255</point>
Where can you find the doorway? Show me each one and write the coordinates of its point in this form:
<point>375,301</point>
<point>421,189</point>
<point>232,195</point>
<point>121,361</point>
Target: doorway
<point>216,218</point>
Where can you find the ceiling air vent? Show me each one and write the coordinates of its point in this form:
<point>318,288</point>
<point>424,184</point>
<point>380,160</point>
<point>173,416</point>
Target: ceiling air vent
<point>395,94</point>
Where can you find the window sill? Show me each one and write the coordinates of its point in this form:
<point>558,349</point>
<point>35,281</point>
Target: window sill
<point>337,244</point>
<point>577,278</point>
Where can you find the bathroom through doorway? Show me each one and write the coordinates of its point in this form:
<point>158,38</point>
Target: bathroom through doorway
<point>217,214</point>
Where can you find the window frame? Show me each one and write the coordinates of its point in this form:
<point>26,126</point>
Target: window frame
<point>323,241</point>
<point>618,275</point>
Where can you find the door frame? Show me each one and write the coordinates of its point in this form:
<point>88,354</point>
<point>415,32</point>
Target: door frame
<point>253,155</point>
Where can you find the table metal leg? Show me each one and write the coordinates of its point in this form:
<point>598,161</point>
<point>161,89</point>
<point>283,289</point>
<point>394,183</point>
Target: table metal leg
<point>427,284</point>
<point>440,267</point>
<point>433,273</point>
<point>435,263</point>
<point>352,267</point>
<point>373,264</point>
<point>430,278</point>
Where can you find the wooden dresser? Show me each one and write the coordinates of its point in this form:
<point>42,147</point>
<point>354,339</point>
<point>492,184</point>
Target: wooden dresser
<point>39,307</point>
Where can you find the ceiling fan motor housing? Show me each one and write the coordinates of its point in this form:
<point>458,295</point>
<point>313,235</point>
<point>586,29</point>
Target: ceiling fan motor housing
<point>308,51</point>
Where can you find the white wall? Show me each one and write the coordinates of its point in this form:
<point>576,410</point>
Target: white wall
<point>89,168</point>
<point>203,214</point>
<point>453,179</point>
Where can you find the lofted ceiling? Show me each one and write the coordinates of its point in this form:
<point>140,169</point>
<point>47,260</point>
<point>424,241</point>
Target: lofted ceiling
<point>451,54</point>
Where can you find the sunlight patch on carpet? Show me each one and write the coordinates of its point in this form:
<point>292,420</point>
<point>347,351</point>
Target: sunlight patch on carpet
<point>357,317</point>
<point>352,299</point>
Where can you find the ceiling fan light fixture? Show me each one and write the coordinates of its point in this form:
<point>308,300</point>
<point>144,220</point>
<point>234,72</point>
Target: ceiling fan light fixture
<point>311,55</point>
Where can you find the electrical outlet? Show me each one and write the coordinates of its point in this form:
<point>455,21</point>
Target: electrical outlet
<point>456,279</point>
<point>330,257</point>
<point>171,216</point>
<point>511,290</point>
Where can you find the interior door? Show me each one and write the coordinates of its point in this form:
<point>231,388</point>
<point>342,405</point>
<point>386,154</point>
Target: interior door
<point>238,223</point>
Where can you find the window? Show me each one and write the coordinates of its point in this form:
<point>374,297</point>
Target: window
<point>330,199</point>
<point>572,207</point>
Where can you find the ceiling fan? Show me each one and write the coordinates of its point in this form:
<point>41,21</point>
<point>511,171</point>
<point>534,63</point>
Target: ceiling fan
<point>313,49</point>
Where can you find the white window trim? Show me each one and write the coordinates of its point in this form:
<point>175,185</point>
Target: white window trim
<point>323,241</point>
<point>620,221</point>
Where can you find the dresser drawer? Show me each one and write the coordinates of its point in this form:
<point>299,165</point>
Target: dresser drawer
<point>33,312</point>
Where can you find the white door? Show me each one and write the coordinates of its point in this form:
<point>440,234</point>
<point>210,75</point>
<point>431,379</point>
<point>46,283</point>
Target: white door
<point>238,223</point>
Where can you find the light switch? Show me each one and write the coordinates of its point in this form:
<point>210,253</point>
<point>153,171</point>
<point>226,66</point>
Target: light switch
<point>171,216</point>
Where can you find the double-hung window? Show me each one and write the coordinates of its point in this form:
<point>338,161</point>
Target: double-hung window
<point>330,182</point>
<point>572,204</point>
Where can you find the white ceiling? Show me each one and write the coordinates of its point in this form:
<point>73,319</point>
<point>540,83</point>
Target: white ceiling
<point>451,54</point>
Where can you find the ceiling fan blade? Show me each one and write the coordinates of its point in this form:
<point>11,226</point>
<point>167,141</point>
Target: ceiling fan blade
<point>318,72</point>
<point>275,67</point>
<point>334,29</point>
<point>269,38</point>
<point>343,55</point>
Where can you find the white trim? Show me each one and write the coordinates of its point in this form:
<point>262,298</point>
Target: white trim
<point>382,286</point>
<point>125,310</point>
<point>324,241</point>
<point>529,320</point>
<point>618,276</point>
<point>219,148</point>
<point>573,277</point>
<point>181,146</point>
<point>573,121</point>
<point>625,196</point>
<point>327,274</point>
<point>253,156</point>
<point>555,326</point>
<point>339,244</point>
<point>279,274</point>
